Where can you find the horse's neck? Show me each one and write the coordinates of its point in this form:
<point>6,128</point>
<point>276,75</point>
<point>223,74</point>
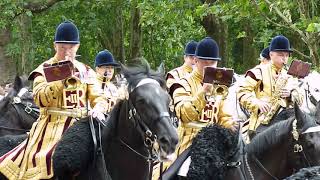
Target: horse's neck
<point>275,161</point>
<point>127,130</point>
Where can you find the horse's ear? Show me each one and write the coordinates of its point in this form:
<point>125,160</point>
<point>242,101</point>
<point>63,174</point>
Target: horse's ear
<point>124,70</point>
<point>161,68</point>
<point>18,84</point>
<point>317,115</point>
<point>300,116</point>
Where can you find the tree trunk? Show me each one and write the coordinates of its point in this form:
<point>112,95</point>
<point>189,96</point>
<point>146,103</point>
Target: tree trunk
<point>136,33</point>
<point>26,62</point>
<point>216,29</point>
<point>249,55</point>
<point>112,38</point>
<point>7,64</point>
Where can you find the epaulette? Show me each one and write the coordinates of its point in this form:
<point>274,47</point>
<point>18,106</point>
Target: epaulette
<point>185,84</point>
<point>38,70</point>
<point>256,71</point>
<point>173,73</point>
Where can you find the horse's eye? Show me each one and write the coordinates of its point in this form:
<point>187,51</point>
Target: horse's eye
<point>316,90</point>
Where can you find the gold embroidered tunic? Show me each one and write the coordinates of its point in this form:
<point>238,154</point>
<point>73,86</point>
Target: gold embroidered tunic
<point>261,83</point>
<point>176,74</point>
<point>109,90</point>
<point>194,111</point>
<point>59,108</point>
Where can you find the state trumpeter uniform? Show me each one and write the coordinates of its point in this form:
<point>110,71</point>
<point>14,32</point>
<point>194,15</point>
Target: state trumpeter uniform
<point>61,104</point>
<point>195,111</point>
<point>178,73</point>
<point>58,111</point>
<point>264,82</point>
<point>172,79</point>
<point>109,90</point>
<point>104,83</point>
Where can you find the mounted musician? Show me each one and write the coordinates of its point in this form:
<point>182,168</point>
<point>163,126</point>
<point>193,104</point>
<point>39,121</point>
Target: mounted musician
<point>264,56</point>
<point>193,106</point>
<point>178,73</point>
<point>105,65</point>
<point>267,88</point>
<point>172,78</point>
<point>62,100</point>
<point>198,104</point>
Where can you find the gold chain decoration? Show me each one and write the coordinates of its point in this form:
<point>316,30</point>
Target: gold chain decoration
<point>297,147</point>
<point>294,130</point>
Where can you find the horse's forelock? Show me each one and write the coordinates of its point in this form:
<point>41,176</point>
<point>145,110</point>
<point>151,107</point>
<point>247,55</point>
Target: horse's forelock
<point>135,74</point>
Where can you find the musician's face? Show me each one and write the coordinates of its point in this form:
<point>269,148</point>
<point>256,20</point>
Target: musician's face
<point>190,60</point>
<point>106,71</point>
<point>201,63</point>
<point>279,58</point>
<point>66,51</point>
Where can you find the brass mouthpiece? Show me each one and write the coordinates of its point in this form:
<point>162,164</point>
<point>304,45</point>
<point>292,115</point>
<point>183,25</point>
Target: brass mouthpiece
<point>72,82</point>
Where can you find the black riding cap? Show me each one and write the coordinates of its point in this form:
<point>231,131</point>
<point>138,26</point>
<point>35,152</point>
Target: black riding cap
<point>208,49</point>
<point>68,33</point>
<point>280,43</point>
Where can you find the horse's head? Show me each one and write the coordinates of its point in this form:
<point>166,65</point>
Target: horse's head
<point>307,143</point>
<point>17,107</point>
<point>148,105</point>
<point>312,92</point>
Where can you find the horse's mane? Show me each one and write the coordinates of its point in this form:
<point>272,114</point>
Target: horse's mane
<point>136,73</point>
<point>271,136</point>
<point>110,130</point>
<point>211,150</point>
<point>4,102</point>
<point>311,173</point>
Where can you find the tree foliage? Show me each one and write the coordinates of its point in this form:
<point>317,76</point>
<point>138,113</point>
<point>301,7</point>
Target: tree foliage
<point>159,30</point>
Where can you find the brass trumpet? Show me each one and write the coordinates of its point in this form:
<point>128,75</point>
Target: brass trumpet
<point>72,82</point>
<point>220,90</point>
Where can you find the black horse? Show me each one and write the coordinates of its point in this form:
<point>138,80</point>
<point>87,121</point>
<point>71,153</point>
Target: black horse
<point>275,153</point>
<point>17,109</point>
<point>138,132</point>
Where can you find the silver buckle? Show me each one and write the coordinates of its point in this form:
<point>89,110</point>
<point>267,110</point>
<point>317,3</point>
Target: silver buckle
<point>297,148</point>
<point>28,108</point>
<point>16,100</point>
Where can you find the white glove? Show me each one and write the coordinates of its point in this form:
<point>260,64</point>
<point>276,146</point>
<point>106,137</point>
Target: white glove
<point>97,113</point>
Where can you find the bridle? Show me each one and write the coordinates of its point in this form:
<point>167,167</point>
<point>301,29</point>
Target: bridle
<point>297,148</point>
<point>27,107</point>
<point>309,95</point>
<point>149,138</point>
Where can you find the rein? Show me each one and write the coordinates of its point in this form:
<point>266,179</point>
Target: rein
<point>310,96</point>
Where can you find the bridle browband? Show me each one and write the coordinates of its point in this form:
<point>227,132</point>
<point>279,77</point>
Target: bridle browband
<point>17,104</point>
<point>149,138</point>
